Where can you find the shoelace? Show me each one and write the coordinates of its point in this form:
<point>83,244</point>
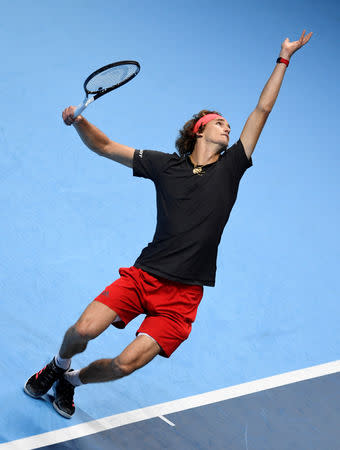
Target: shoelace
<point>49,374</point>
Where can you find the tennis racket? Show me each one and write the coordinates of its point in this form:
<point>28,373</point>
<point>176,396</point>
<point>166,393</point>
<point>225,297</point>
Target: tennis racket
<point>105,80</point>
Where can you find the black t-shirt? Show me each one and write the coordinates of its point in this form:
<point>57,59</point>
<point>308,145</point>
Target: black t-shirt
<point>192,211</point>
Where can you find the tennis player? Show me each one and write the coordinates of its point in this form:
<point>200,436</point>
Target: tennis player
<point>196,191</point>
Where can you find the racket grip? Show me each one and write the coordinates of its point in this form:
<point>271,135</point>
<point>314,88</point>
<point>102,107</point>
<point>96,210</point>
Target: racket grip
<point>79,110</point>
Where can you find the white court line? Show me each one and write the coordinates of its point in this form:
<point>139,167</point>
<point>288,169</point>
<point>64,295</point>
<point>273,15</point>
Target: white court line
<point>167,421</point>
<point>150,412</point>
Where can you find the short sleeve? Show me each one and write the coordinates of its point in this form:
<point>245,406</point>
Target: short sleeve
<point>239,161</point>
<point>149,163</point>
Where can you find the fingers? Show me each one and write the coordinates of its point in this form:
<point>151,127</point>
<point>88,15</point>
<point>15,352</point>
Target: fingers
<point>309,35</point>
<point>68,116</point>
<point>302,35</point>
<point>304,39</point>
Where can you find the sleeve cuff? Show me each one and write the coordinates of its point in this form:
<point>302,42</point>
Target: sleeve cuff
<point>248,161</point>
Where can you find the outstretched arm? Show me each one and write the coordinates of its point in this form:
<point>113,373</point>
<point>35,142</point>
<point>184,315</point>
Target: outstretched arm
<point>255,123</point>
<point>97,141</point>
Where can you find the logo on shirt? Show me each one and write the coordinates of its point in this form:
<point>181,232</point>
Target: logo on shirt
<point>141,153</point>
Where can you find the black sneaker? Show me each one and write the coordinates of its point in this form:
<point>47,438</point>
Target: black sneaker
<point>63,403</point>
<point>41,382</point>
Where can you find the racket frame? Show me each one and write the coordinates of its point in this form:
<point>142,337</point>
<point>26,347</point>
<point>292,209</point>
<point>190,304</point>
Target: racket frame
<point>87,101</point>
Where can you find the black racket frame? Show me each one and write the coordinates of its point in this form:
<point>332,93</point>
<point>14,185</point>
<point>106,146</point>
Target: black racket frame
<point>102,69</point>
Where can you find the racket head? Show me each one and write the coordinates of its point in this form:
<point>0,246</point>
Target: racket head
<point>110,77</point>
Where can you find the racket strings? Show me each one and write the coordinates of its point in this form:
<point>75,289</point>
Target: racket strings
<point>110,77</point>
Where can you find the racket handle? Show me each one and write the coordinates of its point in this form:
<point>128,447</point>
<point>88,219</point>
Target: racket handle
<point>79,110</point>
<point>82,106</point>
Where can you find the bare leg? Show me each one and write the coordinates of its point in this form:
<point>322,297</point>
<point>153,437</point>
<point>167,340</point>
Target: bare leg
<point>94,320</point>
<point>136,355</point>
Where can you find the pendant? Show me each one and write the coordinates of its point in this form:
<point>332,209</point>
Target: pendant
<point>198,170</point>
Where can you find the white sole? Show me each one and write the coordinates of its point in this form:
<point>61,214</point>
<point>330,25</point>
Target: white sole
<point>29,393</point>
<point>62,413</point>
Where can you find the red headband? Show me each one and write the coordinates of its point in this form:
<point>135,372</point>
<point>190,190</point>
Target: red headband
<point>204,120</point>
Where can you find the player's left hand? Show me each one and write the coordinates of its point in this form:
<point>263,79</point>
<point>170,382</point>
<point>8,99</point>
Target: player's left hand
<point>289,48</point>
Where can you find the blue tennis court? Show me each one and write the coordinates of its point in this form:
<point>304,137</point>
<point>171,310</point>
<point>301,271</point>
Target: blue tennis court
<point>260,369</point>
<point>298,409</point>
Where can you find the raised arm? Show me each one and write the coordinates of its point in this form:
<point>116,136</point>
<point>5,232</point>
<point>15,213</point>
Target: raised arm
<point>97,141</point>
<point>255,123</point>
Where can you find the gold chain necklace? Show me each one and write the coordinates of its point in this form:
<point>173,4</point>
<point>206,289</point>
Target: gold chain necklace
<point>198,169</point>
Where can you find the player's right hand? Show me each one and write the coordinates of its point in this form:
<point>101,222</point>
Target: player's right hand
<point>68,116</point>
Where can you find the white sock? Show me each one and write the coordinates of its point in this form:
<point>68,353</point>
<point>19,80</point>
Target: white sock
<point>73,377</point>
<point>63,363</point>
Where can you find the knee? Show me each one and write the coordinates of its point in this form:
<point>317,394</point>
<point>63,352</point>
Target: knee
<point>83,330</point>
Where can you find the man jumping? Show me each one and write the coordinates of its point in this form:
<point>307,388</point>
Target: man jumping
<point>196,191</point>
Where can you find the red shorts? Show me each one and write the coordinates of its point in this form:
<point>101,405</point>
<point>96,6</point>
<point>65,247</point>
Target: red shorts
<point>170,307</point>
